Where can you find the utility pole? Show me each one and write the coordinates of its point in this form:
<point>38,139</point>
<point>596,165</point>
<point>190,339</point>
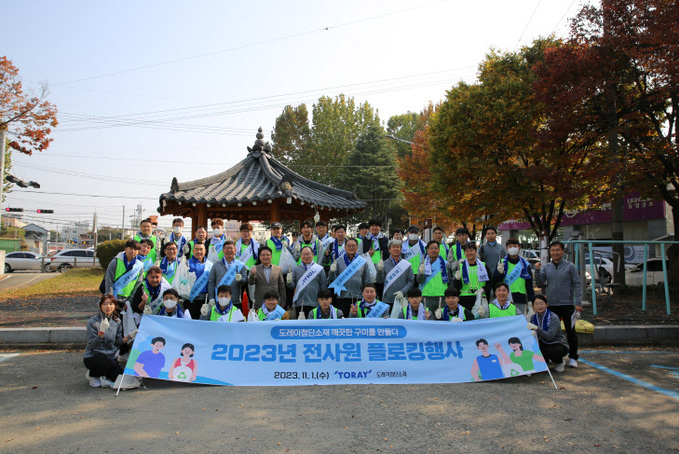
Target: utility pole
<point>122,230</point>
<point>94,232</point>
<point>2,169</point>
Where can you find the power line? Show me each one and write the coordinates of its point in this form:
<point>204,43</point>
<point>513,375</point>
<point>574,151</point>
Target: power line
<point>526,27</point>
<point>99,196</point>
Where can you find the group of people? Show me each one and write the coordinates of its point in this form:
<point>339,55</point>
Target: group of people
<point>325,274</point>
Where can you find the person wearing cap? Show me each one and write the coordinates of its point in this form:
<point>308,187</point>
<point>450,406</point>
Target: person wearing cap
<point>276,243</point>
<point>439,236</point>
<point>490,253</point>
<point>414,249</point>
<point>308,239</point>
<point>395,283</point>
<point>247,248</point>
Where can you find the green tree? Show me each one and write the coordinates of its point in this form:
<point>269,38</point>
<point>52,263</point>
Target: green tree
<point>371,174</point>
<point>291,137</point>
<point>404,127</point>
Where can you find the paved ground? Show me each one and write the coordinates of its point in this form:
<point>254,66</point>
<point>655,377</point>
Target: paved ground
<point>19,279</point>
<point>48,407</point>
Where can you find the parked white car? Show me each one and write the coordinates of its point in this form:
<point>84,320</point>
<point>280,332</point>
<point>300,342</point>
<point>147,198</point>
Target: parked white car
<point>66,259</point>
<point>654,274</point>
<point>604,267</point>
<point>23,260</point>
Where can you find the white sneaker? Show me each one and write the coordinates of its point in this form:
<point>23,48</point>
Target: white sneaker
<point>573,363</point>
<point>95,383</point>
<point>560,367</point>
<point>105,382</point>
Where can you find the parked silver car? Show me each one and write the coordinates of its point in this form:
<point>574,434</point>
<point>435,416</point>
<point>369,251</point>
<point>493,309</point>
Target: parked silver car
<point>654,273</point>
<point>66,259</point>
<point>23,260</point>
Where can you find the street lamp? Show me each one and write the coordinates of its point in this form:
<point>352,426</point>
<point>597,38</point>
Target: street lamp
<point>400,140</point>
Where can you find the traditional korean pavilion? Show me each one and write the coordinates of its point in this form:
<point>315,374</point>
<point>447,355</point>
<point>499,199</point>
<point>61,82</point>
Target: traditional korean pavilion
<point>259,188</point>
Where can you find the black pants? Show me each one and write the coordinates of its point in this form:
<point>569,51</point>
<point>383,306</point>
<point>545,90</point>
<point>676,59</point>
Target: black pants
<point>565,313</point>
<point>468,302</point>
<point>194,307</point>
<point>306,309</point>
<point>100,365</point>
<point>553,352</point>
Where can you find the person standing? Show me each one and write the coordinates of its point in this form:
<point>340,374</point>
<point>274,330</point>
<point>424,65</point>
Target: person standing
<point>439,236</point>
<point>146,233</point>
<point>183,248</point>
<point>490,253</point>
<point>247,248</point>
<point>413,248</point>
<point>515,271</point>
<point>351,277</point>
<point>307,239</point>
<point>266,276</point>
<point>307,279</point>
<point>432,277</point>
<point>395,275</point>
<point>200,268</point>
<point>215,244</point>
<point>564,293</point>
<point>228,271</point>
<point>276,243</point>
<point>470,277</point>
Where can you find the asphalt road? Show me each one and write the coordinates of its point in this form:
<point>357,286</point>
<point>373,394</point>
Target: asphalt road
<point>47,406</point>
<point>18,279</point>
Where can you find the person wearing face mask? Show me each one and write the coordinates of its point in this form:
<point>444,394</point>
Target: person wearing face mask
<point>201,237</point>
<point>348,276</point>
<point>177,237</point>
<point>247,248</point>
<point>104,338</point>
<point>170,308</point>
<point>148,299</point>
<point>216,244</point>
<point>490,253</point>
<point>414,249</point>
<point>146,233</point>
<point>515,271</point>
<point>224,310</point>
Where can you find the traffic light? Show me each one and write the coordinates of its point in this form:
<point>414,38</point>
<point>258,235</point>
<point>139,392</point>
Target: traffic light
<point>45,211</point>
<point>15,210</point>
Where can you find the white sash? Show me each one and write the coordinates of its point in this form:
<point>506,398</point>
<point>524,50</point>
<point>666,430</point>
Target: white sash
<point>307,277</point>
<point>395,273</point>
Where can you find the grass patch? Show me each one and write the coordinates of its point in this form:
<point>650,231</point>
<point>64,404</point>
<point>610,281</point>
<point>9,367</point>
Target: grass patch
<point>74,282</point>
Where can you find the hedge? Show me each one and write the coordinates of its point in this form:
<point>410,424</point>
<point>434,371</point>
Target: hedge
<point>107,250</point>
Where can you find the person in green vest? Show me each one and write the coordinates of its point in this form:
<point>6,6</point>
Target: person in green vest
<point>439,236</point>
<point>168,264</point>
<point>432,276</point>
<point>224,310</point>
<point>456,251</point>
<point>270,310</point>
<point>413,248</point>
<point>277,242</point>
<point>524,358</point>
<point>146,233</point>
<point>453,312</point>
<point>368,304</point>
<point>415,310</point>
<point>122,266</point>
<point>215,244</point>
<point>515,271</point>
<point>471,275</point>
<point>325,309</point>
<point>247,248</point>
<point>308,239</point>
<point>501,306</point>
<point>144,256</point>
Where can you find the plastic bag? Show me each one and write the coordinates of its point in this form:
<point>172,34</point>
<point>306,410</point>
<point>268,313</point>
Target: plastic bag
<point>129,320</point>
<point>529,311</point>
<point>212,255</point>
<point>399,304</point>
<point>480,303</point>
<point>252,316</point>
<point>182,280</point>
<point>287,261</point>
<point>372,272</point>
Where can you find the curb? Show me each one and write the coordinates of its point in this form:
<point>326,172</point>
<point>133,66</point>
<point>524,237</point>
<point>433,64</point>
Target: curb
<point>76,337</point>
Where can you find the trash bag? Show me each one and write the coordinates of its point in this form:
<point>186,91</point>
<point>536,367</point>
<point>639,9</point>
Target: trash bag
<point>399,304</point>
<point>130,319</point>
<point>480,303</point>
<point>287,261</point>
<point>182,281</point>
<point>371,268</point>
<point>252,316</point>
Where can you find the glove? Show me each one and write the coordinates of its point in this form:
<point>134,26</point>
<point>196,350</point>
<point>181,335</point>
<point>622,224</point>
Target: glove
<point>333,267</point>
<point>578,314</point>
<point>458,275</point>
<point>298,247</point>
<point>482,311</point>
<point>500,267</point>
<point>480,292</point>
<point>398,295</point>
<point>380,265</point>
<point>205,308</point>
<point>147,310</point>
<point>238,277</point>
<point>284,242</point>
<point>133,333</point>
<point>289,278</point>
<point>457,320</point>
<point>420,270</point>
<point>211,303</point>
<point>103,326</point>
<point>532,327</point>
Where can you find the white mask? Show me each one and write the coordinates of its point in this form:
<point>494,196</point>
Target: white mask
<point>223,301</point>
<point>412,236</point>
<point>177,229</point>
<point>513,251</point>
<point>169,304</point>
<point>217,232</point>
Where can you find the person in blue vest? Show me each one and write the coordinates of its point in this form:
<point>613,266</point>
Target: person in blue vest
<point>396,277</point>
<point>325,309</point>
<point>168,264</point>
<point>515,271</point>
<point>201,237</point>
<point>369,306</point>
<point>228,271</point>
<point>350,277</point>
<point>486,366</point>
<point>433,278</point>
<point>199,266</point>
<point>415,310</point>
<point>171,307</point>
<point>453,311</point>
<point>224,310</point>
<point>177,237</point>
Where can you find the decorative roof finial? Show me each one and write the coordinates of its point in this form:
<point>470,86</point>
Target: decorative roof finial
<point>260,145</point>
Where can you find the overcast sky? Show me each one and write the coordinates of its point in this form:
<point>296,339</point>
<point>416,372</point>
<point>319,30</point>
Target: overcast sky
<point>150,90</point>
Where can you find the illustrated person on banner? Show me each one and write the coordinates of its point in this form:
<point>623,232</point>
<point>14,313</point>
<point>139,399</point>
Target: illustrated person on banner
<point>453,312</point>
<point>395,274</point>
<point>270,310</point>
<point>551,339</point>
<point>228,271</point>
<point>470,276</point>
<point>432,276</point>
<point>348,275</point>
<point>564,292</point>
<point>201,237</point>
<point>524,359</point>
<point>439,236</point>
<point>369,306</point>
<point>215,244</point>
<point>224,310</point>
<point>501,306</point>
<point>184,368</point>
<point>307,280</point>
<point>247,248</point>
<point>177,237</point>
<point>415,310</point>
<point>515,271</point>
<point>150,362</point>
<point>266,276</point>
<point>413,248</point>
<point>486,366</point>
<point>307,239</point>
<point>199,273</point>
<point>325,309</point>
<point>146,233</point>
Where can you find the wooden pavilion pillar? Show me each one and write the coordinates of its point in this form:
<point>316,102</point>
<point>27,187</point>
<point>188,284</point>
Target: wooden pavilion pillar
<point>198,217</point>
<point>275,211</point>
